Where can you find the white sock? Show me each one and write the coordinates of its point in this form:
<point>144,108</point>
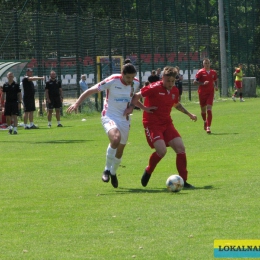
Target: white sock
<point>49,123</point>
<point>15,128</point>
<point>31,124</point>
<point>115,165</point>
<point>110,157</point>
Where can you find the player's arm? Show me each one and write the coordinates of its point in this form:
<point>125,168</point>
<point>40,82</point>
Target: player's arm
<point>19,97</point>
<point>196,82</point>
<point>34,78</point>
<point>61,95</point>
<point>82,97</point>
<point>2,100</point>
<point>200,83</point>
<point>134,102</point>
<point>47,95</point>
<point>216,84</point>
<point>182,109</point>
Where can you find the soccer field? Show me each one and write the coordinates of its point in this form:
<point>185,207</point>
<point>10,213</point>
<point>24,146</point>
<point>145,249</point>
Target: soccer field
<point>53,204</point>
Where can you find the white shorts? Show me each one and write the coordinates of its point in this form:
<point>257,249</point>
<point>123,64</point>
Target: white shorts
<point>123,126</point>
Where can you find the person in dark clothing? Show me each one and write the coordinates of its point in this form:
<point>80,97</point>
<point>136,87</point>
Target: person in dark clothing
<point>28,98</point>
<point>54,98</point>
<point>153,77</point>
<point>12,96</point>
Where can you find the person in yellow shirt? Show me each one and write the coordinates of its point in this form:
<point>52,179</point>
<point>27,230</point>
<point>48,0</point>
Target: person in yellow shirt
<point>238,82</point>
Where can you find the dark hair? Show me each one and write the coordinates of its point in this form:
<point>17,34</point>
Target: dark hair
<point>128,68</point>
<point>127,61</point>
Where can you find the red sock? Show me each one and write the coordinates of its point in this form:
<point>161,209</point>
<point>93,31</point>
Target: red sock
<point>209,120</point>
<point>153,161</point>
<point>181,164</point>
<point>203,115</point>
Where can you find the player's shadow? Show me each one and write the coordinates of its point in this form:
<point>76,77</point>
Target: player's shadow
<point>63,141</point>
<point>122,190</point>
<point>207,187</point>
<point>224,134</point>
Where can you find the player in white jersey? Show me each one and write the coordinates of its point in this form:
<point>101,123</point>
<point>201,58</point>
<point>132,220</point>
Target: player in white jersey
<point>119,91</point>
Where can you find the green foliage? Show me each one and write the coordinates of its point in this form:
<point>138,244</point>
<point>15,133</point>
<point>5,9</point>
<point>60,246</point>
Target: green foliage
<point>53,204</point>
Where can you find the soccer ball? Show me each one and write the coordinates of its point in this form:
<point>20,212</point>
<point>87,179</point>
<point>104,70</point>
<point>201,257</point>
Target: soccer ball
<point>174,183</point>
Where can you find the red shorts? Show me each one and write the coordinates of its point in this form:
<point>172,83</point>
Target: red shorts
<point>238,84</point>
<point>165,132</point>
<point>206,98</point>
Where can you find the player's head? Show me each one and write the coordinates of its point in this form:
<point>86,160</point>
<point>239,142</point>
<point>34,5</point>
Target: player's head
<point>158,71</point>
<point>53,74</point>
<point>206,63</point>
<point>240,65</point>
<point>168,77</point>
<point>29,72</point>
<point>153,72</point>
<point>128,73</point>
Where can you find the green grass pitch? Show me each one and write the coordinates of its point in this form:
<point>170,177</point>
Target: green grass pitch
<point>53,204</point>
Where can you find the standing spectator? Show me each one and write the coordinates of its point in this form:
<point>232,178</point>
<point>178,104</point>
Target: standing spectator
<point>54,98</point>
<point>29,98</point>
<point>153,77</point>
<point>178,82</point>
<point>121,88</point>
<point>206,79</point>
<point>2,116</point>
<point>159,73</point>
<point>160,132</point>
<point>238,82</point>
<point>12,96</point>
<point>83,84</point>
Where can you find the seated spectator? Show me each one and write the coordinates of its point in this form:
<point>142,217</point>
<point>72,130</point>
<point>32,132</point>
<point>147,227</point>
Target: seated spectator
<point>83,84</point>
<point>159,73</point>
<point>153,77</point>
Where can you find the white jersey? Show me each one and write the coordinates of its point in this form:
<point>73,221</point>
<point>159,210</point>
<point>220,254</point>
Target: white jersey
<point>118,95</point>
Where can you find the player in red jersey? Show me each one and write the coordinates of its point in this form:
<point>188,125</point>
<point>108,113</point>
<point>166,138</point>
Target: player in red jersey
<point>207,80</point>
<point>159,129</point>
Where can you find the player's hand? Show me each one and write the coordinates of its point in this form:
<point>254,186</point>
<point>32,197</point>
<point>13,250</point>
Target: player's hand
<point>128,111</point>
<point>206,82</point>
<point>193,117</point>
<point>72,108</point>
<point>149,109</point>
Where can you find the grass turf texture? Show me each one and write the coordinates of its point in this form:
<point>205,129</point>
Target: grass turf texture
<point>53,204</point>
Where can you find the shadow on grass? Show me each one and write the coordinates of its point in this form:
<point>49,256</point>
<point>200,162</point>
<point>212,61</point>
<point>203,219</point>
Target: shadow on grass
<point>155,190</point>
<point>223,134</point>
<point>208,187</point>
<point>63,141</point>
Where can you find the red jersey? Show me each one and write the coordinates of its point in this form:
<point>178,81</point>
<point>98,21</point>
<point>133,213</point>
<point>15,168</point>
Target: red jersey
<point>202,76</point>
<point>157,95</point>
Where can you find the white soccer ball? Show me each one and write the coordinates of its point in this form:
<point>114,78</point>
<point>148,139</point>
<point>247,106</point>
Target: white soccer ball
<point>175,183</point>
